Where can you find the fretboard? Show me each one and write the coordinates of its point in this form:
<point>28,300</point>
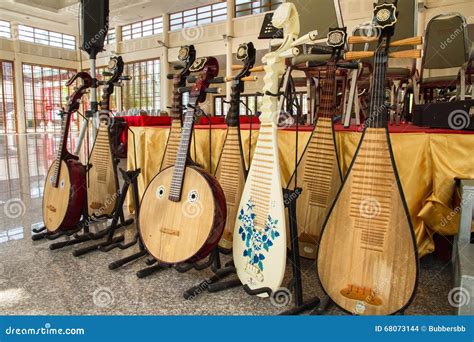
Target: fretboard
<point>62,148</point>
<point>182,156</point>
<point>176,111</point>
<point>327,103</point>
<point>378,110</point>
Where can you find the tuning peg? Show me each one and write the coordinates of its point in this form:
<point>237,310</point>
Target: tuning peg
<point>107,73</point>
<point>348,65</point>
<point>184,89</point>
<point>125,78</point>
<point>213,90</point>
<point>170,76</point>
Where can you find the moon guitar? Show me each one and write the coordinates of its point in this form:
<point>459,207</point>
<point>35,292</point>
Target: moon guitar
<point>187,55</point>
<point>183,209</point>
<point>102,180</point>
<point>65,186</point>
<point>231,171</point>
<point>259,243</point>
<point>319,164</point>
<point>367,257</point>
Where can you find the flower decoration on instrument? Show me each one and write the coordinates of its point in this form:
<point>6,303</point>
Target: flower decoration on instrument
<point>257,240</point>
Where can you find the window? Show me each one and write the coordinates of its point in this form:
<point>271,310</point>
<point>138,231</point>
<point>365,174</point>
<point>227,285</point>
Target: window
<point>142,28</point>
<point>110,37</point>
<point>5,29</point>
<point>142,92</point>
<point>45,37</point>
<point>45,95</point>
<point>251,103</point>
<point>198,16</point>
<point>247,7</point>
<point>113,98</point>
<point>7,98</point>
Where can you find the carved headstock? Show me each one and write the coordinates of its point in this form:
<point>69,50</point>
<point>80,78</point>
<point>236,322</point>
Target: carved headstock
<point>75,97</point>
<point>208,68</point>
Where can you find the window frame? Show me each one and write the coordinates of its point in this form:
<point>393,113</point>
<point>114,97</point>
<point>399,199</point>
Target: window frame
<point>155,28</point>
<point>183,19</point>
<point>41,36</point>
<point>255,7</point>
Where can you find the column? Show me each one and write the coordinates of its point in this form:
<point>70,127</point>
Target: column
<point>165,92</point>
<point>229,45</point>
<point>18,68</point>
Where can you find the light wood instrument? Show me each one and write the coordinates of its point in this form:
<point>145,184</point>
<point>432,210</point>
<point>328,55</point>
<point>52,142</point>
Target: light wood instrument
<point>231,171</point>
<point>318,172</point>
<point>187,55</point>
<point>402,42</point>
<point>367,257</point>
<point>183,209</point>
<point>65,185</point>
<point>102,179</point>
<point>259,243</point>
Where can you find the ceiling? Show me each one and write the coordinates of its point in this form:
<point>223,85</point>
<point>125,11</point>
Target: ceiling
<point>64,13</point>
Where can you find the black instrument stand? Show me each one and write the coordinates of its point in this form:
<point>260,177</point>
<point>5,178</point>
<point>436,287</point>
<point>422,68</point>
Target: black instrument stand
<point>214,262</point>
<point>112,242</point>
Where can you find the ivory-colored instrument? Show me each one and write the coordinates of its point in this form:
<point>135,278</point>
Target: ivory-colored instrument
<point>367,257</point>
<point>259,244</point>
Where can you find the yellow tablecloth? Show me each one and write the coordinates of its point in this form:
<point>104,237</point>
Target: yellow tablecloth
<point>427,164</point>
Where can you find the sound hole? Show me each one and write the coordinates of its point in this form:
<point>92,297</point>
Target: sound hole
<point>193,196</point>
<point>160,192</point>
<point>62,184</point>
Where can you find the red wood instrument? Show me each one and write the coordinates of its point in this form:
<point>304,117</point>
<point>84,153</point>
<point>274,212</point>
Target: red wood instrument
<point>65,185</point>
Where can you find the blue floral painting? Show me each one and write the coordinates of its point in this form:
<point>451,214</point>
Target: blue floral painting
<point>257,241</point>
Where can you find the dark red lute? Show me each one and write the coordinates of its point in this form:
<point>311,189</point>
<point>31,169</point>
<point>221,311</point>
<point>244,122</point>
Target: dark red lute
<point>65,186</point>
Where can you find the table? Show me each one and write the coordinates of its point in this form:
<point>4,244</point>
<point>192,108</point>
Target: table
<point>428,161</point>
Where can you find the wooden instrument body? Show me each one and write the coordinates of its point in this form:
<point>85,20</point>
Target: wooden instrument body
<point>231,174</point>
<point>183,209</point>
<point>63,205</point>
<point>102,185</point>
<point>186,230</point>
<point>367,257</point>
<point>231,171</point>
<point>320,178</point>
<point>259,244</point>
<point>64,196</point>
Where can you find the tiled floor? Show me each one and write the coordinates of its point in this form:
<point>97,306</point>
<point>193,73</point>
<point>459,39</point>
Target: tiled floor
<point>36,280</point>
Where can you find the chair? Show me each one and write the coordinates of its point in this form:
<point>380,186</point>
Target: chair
<point>446,60</point>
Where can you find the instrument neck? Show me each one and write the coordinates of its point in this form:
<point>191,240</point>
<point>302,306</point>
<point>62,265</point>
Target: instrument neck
<point>233,116</point>
<point>378,110</point>
<point>105,102</point>
<point>183,152</point>
<point>176,111</point>
<point>62,150</point>
<point>327,106</point>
